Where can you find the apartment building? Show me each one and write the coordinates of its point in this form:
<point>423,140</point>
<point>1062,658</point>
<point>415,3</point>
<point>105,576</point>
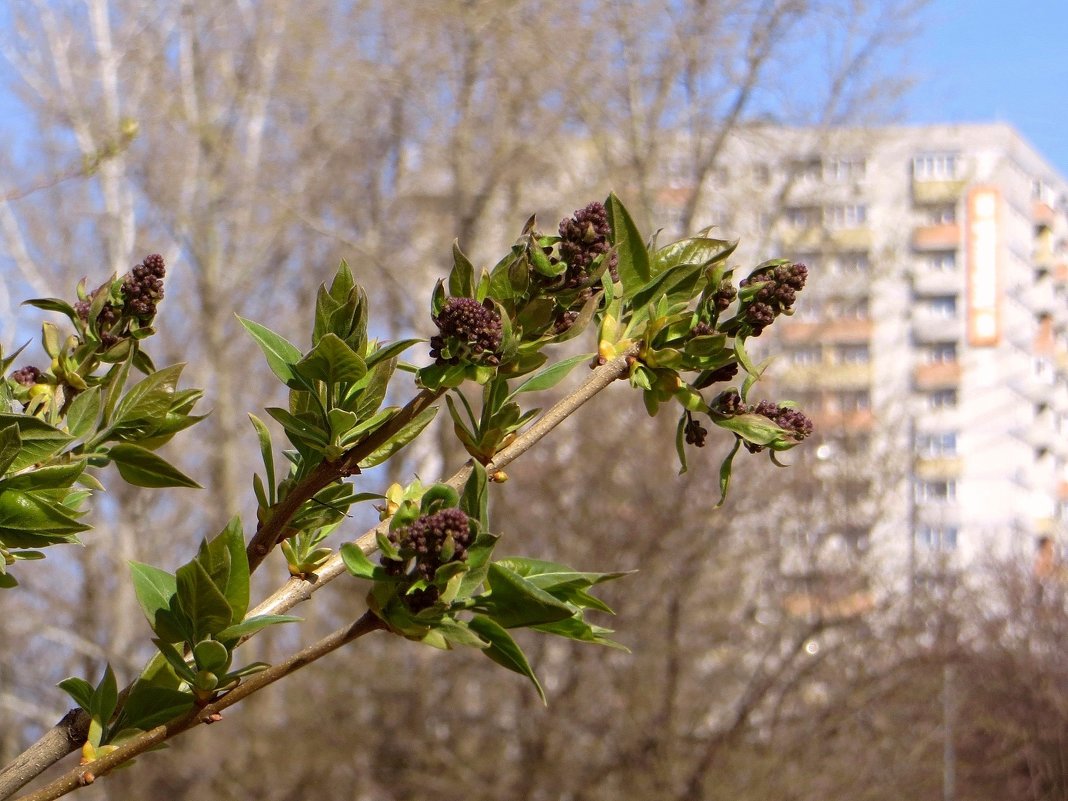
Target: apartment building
<point>933,335</point>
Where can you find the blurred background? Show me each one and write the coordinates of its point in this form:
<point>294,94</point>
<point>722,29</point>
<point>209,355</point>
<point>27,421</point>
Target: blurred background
<point>884,619</point>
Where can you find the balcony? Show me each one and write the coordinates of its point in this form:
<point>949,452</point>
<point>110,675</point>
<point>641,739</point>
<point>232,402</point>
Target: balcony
<point>929,327</point>
<point>816,238</point>
<point>944,236</point>
<point>1042,214</point>
<point>855,422</point>
<point>926,192</point>
<point>846,331</point>
<point>939,468</point>
<point>937,282</point>
<point>828,376</point>
<point>943,375</point>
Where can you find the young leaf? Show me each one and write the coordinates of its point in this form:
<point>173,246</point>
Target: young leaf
<point>462,277</point>
<point>78,689</point>
<point>267,451</point>
<point>39,441</point>
<point>281,354</point>
<point>202,602</point>
<point>725,472</point>
<point>105,697</point>
<point>145,408</point>
<point>400,439</point>
<point>254,624</point>
<point>514,602</point>
<point>142,468</point>
<point>83,413</point>
<point>148,706</point>
<point>10,444</point>
<point>332,362</point>
<point>157,592</point>
<point>551,375</point>
<point>356,561</point>
<point>504,650</point>
<point>236,588</point>
<point>633,264</point>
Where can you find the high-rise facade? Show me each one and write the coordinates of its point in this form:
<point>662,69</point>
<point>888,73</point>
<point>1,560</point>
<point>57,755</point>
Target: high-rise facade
<point>934,330</point>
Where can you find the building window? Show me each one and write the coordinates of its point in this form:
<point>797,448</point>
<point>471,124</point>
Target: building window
<point>936,167</point>
<point>942,399</point>
<point>849,309</point>
<point>800,217</point>
<point>808,354</point>
<point>935,492</point>
<point>842,170</point>
<point>853,354</point>
<point>942,306</point>
<point>850,264</point>
<point>850,215</point>
<point>942,215</point>
<point>850,401</point>
<point>943,261</point>
<point>937,538</point>
<point>941,353</point>
<point>761,173</point>
<point>936,444</point>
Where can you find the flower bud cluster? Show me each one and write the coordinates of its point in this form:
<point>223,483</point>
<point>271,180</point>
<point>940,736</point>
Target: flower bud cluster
<point>468,329</point>
<point>27,376</point>
<point>695,432</point>
<point>793,421</point>
<point>778,290</point>
<point>583,238</point>
<point>724,295</point>
<point>427,544</point>
<point>142,288</point>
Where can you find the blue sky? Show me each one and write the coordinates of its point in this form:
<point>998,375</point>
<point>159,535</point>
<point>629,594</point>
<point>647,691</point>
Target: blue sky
<point>993,60</point>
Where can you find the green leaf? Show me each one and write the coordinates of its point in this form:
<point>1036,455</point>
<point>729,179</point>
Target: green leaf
<point>475,499</point>
<point>356,561</point>
<point>10,444</point>
<point>387,352</point>
<point>400,439</point>
<point>78,689</point>
<point>142,468</point>
<point>281,355</point>
<point>54,305</point>
<point>332,362</point>
<point>84,412</point>
<point>725,473</point>
<point>267,451</point>
<point>514,602</point>
<point>59,476</point>
<point>202,602</point>
<point>254,624</point>
<point>105,697</point>
<point>29,513</point>
<point>755,428</point>
<point>299,428</point>
<point>148,706</point>
<point>157,592</point>
<point>148,400</point>
<point>675,285</point>
<point>692,250</point>
<point>462,277</point>
<point>504,650</point>
<point>575,628</point>
<point>39,441</point>
<point>236,587</point>
<point>175,660</point>
<point>552,375</point>
<point>633,265</point>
